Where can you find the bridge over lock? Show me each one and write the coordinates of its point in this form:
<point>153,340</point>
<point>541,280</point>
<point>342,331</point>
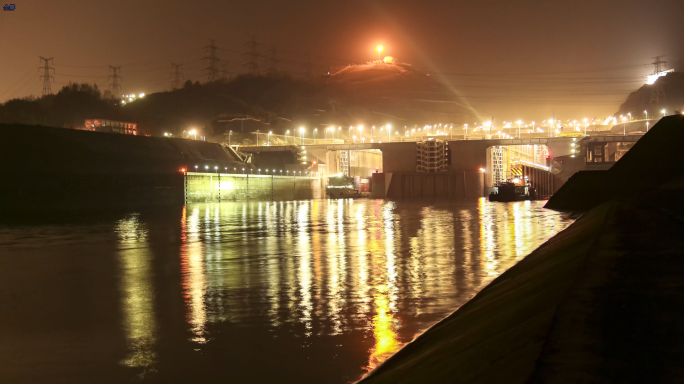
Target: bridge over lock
<point>470,170</point>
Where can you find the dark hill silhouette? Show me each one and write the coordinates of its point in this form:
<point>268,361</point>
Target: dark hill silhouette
<point>640,100</point>
<point>372,94</point>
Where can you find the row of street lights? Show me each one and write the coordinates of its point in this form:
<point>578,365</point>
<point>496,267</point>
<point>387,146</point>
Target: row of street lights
<point>438,129</point>
<point>251,171</point>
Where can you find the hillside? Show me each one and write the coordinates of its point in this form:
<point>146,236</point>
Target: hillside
<point>640,100</point>
<point>372,94</point>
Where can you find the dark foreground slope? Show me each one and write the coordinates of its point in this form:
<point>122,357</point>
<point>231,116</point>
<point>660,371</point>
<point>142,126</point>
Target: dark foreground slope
<point>655,159</point>
<point>47,167</point>
<point>601,302</point>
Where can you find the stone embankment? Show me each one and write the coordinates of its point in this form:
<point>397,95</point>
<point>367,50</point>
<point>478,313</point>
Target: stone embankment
<point>601,302</point>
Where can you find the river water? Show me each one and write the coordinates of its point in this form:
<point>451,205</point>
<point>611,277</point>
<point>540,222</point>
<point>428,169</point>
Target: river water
<point>274,292</point>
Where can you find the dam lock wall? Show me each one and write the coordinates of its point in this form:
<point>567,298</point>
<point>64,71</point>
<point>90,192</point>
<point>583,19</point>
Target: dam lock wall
<point>218,187</point>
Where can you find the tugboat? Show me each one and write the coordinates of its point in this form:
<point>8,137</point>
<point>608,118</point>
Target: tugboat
<point>341,186</point>
<point>509,191</point>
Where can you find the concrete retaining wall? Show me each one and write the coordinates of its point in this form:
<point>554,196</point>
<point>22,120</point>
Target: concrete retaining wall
<point>217,187</point>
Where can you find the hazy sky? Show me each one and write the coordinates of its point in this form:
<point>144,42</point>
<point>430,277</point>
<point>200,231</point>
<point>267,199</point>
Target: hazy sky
<point>510,58</point>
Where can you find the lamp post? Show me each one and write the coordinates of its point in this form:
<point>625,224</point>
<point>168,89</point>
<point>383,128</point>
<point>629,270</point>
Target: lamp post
<point>379,51</point>
<point>286,133</point>
<point>519,122</point>
<point>646,112</point>
<point>465,126</point>
<point>269,137</point>
<point>585,126</point>
<point>194,132</point>
<point>389,133</point>
<point>624,126</point>
<point>663,112</point>
<point>301,135</point>
<point>630,116</point>
<point>349,132</point>
<point>647,124</point>
<point>314,134</point>
<point>257,135</point>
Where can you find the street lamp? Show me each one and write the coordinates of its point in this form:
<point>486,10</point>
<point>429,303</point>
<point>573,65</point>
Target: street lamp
<point>301,135</point>
<point>519,122</point>
<point>389,132</point>
<point>194,132</point>
<point>663,112</point>
<point>354,139</point>
<point>257,135</point>
<point>286,133</point>
<point>269,137</point>
<point>646,112</point>
<point>349,132</point>
<point>230,134</point>
<point>630,116</point>
<point>314,134</point>
<point>465,126</point>
<point>379,51</point>
<point>585,126</point>
<point>624,127</point>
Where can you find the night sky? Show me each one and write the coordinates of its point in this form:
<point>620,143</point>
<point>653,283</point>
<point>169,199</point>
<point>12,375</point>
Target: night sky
<point>512,59</point>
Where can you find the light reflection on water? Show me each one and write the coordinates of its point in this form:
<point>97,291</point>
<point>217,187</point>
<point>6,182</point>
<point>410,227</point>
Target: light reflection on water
<point>344,283</point>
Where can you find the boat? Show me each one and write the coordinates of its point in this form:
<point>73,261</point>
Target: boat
<point>341,186</point>
<point>509,191</point>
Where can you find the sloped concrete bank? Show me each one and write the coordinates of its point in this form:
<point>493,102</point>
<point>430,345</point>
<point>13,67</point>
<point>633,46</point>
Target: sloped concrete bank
<point>654,160</point>
<point>53,168</point>
<point>602,302</point>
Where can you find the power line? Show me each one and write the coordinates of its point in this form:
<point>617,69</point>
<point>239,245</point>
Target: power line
<point>115,87</point>
<point>47,89</point>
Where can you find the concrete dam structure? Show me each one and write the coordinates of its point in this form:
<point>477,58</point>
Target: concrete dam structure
<point>218,187</point>
<point>54,168</point>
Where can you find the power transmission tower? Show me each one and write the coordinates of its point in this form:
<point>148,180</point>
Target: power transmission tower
<point>658,93</point>
<point>47,89</point>
<point>253,63</point>
<point>273,59</point>
<point>212,70</point>
<point>115,87</point>
<point>177,76</point>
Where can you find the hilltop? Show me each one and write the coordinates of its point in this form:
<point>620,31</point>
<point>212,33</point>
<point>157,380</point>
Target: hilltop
<point>640,100</point>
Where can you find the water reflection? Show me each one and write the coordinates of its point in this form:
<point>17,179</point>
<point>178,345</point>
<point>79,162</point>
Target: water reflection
<point>137,294</point>
<point>335,267</point>
<point>307,291</point>
<point>194,281</point>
